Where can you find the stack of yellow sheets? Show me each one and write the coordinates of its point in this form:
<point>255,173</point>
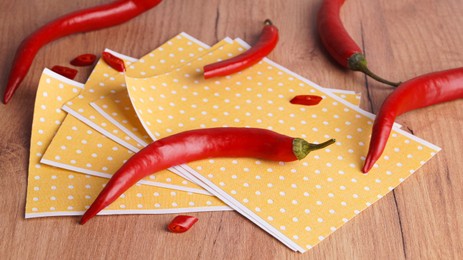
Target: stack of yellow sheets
<point>82,133</point>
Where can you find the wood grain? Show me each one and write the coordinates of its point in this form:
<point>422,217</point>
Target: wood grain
<point>421,219</point>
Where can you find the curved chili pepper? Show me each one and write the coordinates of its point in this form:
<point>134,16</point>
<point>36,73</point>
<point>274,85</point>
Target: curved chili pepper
<point>422,91</point>
<point>83,60</point>
<point>338,42</point>
<point>200,144</point>
<point>181,223</point>
<point>65,71</point>
<point>113,61</point>
<point>307,100</point>
<point>80,21</point>
<point>267,41</point>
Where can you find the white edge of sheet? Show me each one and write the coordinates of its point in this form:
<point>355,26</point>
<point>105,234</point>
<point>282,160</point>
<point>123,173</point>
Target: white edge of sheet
<point>120,55</point>
<point>129,212</point>
<point>59,77</point>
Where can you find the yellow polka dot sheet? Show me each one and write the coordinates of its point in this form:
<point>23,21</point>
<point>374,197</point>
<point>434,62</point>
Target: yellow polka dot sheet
<point>299,203</point>
<point>53,191</point>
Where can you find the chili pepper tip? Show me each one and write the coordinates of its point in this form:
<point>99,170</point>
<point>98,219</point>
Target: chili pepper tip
<point>90,213</point>
<point>369,162</point>
<point>7,97</point>
<point>83,220</point>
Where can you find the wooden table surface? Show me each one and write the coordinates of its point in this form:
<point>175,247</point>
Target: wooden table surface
<point>420,219</point>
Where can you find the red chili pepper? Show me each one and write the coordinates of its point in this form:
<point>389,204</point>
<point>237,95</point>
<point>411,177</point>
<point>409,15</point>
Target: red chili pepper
<point>338,42</point>
<point>200,144</point>
<point>80,21</point>
<point>65,71</point>
<point>307,100</point>
<point>114,62</point>
<point>422,91</point>
<point>84,60</point>
<point>181,223</point>
<point>266,43</point>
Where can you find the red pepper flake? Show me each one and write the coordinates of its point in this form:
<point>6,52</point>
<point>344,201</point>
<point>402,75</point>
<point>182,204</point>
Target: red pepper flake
<point>307,100</point>
<point>65,71</point>
<point>181,223</point>
<point>83,60</point>
<point>114,62</point>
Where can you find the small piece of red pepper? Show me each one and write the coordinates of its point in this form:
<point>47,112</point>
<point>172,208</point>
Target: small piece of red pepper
<point>266,43</point>
<point>338,42</point>
<point>200,144</point>
<point>181,223</point>
<point>83,60</point>
<point>69,73</point>
<point>113,61</point>
<point>84,20</point>
<point>307,100</point>
<point>419,92</point>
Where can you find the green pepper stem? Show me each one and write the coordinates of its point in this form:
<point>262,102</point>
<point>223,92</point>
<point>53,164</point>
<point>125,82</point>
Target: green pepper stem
<point>301,148</point>
<point>358,62</point>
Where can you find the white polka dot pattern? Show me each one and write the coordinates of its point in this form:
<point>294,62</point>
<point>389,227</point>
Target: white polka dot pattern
<point>53,192</point>
<point>303,201</point>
